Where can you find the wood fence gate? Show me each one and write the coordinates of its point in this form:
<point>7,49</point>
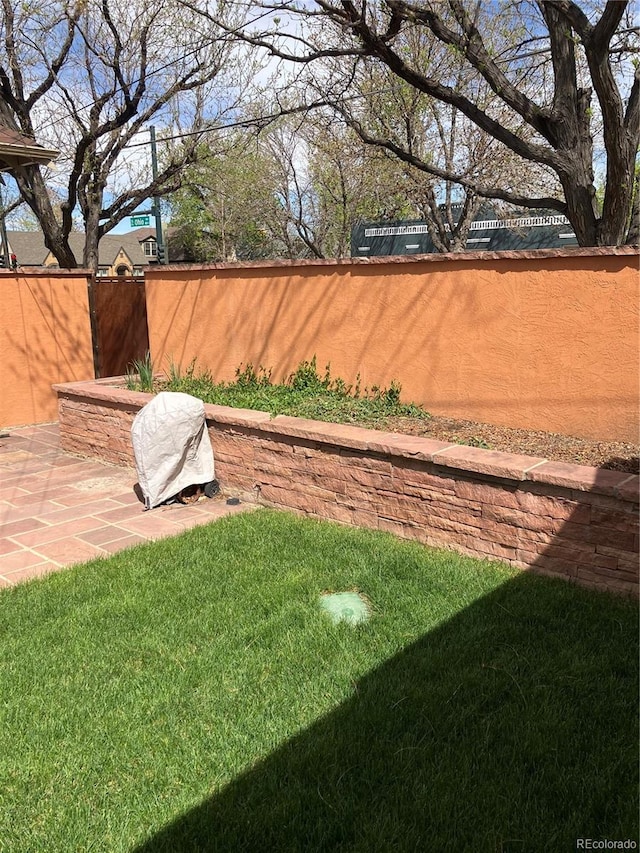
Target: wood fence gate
<point>119,329</point>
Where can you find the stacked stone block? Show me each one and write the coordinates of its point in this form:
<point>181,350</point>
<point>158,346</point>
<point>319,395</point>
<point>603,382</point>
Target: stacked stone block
<point>567,521</point>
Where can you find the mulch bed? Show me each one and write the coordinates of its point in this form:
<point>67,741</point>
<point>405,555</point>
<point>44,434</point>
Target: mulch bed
<point>616,455</point>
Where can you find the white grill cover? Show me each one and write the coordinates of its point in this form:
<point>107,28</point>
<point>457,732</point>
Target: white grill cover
<point>171,446</point>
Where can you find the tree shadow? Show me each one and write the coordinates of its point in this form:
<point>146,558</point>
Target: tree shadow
<point>510,727</point>
<point>630,463</point>
<point>585,523</point>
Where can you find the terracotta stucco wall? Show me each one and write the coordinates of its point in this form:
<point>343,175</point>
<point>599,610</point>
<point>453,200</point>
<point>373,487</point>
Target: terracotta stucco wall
<point>45,337</point>
<point>539,340</point>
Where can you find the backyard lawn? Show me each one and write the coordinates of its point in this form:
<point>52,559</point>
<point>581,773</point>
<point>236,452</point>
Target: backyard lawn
<point>192,695</point>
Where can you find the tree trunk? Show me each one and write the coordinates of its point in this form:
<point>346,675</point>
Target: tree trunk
<point>92,237</point>
<point>34,192</point>
<point>633,234</point>
<point>619,194</point>
<point>579,194</point>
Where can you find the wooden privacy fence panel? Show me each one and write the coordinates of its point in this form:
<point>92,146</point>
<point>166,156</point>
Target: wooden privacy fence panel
<point>118,322</point>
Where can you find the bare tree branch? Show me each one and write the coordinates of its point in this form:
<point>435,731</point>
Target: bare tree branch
<point>105,71</point>
<point>541,100</point>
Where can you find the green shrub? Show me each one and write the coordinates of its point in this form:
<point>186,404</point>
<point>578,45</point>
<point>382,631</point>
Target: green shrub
<point>304,393</point>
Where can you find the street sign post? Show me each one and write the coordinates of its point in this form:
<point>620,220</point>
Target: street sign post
<point>138,221</point>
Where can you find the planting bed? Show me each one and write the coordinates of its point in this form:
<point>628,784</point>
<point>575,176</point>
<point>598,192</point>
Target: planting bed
<point>615,455</point>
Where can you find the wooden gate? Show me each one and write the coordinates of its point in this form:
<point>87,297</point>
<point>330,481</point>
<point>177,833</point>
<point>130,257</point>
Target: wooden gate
<point>118,323</point>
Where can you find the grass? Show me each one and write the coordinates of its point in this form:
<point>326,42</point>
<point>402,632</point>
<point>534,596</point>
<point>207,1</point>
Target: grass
<point>190,695</point>
<point>305,393</point>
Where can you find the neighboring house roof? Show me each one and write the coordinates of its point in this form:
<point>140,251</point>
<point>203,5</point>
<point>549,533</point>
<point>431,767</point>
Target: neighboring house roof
<point>533,229</point>
<point>30,249</point>
<point>19,150</point>
<point>174,241</point>
<point>142,234</point>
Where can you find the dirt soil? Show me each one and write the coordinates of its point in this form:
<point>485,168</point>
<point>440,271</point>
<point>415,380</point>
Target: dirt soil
<point>617,455</point>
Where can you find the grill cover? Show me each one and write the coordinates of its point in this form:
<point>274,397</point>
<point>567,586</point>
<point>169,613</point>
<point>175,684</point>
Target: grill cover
<point>171,446</point>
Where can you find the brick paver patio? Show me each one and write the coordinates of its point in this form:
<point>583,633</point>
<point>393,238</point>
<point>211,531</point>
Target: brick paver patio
<point>57,509</point>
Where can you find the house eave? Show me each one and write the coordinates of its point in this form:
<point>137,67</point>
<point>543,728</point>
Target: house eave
<point>14,156</point>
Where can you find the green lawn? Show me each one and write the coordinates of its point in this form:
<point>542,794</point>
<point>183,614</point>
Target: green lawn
<point>190,695</point>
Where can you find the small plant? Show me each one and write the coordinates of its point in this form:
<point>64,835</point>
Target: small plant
<point>472,441</point>
<point>248,377</point>
<point>356,390</point>
<point>140,374</point>
<point>340,387</point>
<point>305,377</point>
<point>178,376</point>
<point>189,381</point>
<point>174,370</point>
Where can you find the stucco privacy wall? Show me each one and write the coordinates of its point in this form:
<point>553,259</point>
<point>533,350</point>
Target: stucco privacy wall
<point>541,340</point>
<point>45,337</point>
<point>564,520</point>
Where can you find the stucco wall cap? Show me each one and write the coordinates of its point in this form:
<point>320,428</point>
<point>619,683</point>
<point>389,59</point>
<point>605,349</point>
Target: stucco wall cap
<point>46,272</point>
<point>435,258</point>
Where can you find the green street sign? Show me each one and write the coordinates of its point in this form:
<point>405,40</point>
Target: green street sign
<point>137,221</point>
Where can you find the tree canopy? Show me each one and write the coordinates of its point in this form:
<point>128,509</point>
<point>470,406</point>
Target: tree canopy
<point>89,76</point>
<point>531,103</point>
<point>292,191</point>
<point>553,83</point>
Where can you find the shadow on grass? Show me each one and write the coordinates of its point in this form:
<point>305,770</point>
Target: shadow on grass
<point>511,727</point>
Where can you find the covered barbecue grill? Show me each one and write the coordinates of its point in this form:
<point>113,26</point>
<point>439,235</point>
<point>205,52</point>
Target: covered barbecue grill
<point>171,447</point>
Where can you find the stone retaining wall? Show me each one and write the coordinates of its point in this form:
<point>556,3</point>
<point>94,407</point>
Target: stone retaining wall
<point>563,520</point>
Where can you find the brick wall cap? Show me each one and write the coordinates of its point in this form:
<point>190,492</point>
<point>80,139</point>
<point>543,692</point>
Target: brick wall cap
<point>629,490</point>
<point>580,477</point>
<point>241,417</point>
<point>411,446</point>
<point>512,466</point>
<point>346,435</point>
<point>103,391</point>
<point>321,431</point>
